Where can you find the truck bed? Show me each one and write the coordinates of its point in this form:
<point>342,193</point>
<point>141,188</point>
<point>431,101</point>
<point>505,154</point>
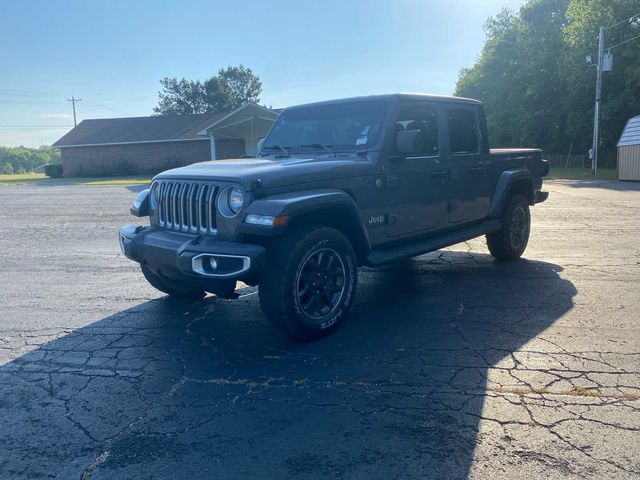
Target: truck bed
<point>534,153</point>
<point>529,158</point>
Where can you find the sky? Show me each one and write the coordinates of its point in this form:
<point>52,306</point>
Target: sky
<point>113,54</point>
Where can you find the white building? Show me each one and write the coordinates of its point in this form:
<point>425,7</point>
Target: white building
<point>629,151</point>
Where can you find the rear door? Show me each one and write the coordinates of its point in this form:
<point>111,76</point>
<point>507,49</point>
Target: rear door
<point>417,183</point>
<point>469,166</point>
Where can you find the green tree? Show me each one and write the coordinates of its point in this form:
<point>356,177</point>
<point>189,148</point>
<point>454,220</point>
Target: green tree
<point>535,83</point>
<point>231,88</point>
<point>515,74</point>
<point>179,97</point>
<point>620,88</point>
<point>23,159</point>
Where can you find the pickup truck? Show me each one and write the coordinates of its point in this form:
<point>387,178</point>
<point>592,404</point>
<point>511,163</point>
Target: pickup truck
<point>335,185</point>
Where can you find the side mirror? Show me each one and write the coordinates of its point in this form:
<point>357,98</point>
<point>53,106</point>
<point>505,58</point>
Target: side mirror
<point>140,207</point>
<point>260,143</point>
<point>406,141</point>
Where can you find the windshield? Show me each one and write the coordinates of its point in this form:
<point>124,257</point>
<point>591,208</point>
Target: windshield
<point>337,127</point>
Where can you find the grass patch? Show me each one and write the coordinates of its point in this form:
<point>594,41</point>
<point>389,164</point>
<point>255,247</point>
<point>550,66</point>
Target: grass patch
<point>583,392</point>
<point>41,178</point>
<point>630,396</point>
<point>23,178</point>
<point>117,181</point>
<point>582,174</point>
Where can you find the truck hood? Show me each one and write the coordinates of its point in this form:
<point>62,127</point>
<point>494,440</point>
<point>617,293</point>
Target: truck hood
<point>271,172</point>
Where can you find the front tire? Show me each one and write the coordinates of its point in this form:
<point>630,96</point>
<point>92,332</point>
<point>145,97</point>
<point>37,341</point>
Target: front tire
<point>510,242</point>
<point>309,281</point>
<point>171,287</point>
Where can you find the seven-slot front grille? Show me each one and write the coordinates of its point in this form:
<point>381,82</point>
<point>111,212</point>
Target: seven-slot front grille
<point>186,206</point>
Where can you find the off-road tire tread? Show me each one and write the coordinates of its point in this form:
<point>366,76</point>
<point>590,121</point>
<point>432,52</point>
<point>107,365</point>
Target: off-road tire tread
<point>498,242</point>
<point>275,285</point>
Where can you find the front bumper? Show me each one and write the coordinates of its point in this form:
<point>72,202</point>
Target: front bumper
<point>199,258</point>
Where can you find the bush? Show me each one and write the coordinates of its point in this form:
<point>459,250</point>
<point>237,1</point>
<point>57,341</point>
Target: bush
<point>53,170</point>
<point>23,159</point>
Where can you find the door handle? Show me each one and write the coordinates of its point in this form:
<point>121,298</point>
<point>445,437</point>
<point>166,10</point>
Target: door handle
<point>477,169</point>
<point>439,173</point>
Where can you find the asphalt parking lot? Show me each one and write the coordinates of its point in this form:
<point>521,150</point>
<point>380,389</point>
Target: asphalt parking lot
<point>450,366</point>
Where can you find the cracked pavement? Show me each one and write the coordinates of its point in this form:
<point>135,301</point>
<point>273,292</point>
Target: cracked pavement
<point>450,365</point>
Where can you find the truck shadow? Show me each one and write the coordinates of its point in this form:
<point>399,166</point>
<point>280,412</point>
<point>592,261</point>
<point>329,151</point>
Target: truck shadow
<point>616,185</point>
<point>207,389</point>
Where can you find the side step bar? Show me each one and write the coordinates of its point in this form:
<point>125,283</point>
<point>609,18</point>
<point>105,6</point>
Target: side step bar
<point>380,257</point>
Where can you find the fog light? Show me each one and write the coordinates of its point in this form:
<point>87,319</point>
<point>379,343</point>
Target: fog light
<point>213,264</point>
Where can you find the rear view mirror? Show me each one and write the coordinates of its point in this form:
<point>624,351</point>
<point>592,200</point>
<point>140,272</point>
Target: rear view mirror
<point>406,141</point>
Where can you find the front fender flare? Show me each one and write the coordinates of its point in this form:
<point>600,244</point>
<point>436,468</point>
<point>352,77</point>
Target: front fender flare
<point>296,204</point>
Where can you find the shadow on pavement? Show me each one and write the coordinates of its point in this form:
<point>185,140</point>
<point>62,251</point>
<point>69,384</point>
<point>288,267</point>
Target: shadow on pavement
<point>617,185</point>
<point>170,390</point>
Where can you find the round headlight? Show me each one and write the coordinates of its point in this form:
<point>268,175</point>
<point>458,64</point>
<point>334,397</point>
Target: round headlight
<point>230,201</point>
<point>236,199</point>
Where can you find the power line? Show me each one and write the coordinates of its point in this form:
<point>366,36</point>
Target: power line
<point>599,71</point>
<point>26,93</point>
<point>104,106</point>
<point>625,20</point>
<point>29,102</point>
<point>35,126</point>
<point>10,94</point>
<point>622,43</point>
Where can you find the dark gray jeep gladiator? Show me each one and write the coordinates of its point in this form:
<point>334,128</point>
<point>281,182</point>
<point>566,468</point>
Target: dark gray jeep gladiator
<point>335,185</point>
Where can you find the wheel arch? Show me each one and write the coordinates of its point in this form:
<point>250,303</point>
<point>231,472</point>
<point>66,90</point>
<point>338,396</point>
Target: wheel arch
<point>518,181</point>
<point>342,218</point>
<point>327,207</point>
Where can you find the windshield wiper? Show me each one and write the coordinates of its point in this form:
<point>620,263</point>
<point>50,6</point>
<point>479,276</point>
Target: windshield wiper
<point>277,147</point>
<point>328,148</point>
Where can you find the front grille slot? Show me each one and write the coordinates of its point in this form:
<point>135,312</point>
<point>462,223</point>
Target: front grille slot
<point>186,206</point>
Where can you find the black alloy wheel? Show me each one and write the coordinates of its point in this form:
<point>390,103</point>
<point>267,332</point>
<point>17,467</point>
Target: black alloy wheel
<point>321,283</point>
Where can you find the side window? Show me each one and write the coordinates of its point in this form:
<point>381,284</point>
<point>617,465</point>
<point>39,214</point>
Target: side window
<point>422,118</point>
<point>463,131</point>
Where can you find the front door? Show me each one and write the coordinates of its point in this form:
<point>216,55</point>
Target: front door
<point>470,185</point>
<point>417,183</point>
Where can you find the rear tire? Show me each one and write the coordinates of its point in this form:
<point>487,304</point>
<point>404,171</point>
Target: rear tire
<point>171,287</point>
<point>309,281</point>
<point>510,242</point>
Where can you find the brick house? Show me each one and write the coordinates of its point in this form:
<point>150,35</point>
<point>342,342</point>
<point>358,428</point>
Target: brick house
<point>148,145</point>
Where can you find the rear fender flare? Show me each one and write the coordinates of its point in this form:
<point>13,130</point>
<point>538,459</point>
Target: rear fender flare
<point>505,183</point>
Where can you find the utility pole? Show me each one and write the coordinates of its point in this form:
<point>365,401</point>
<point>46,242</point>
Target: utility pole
<point>596,115</point>
<point>73,100</point>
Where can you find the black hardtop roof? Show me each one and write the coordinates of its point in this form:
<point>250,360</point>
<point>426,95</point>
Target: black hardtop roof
<point>390,96</point>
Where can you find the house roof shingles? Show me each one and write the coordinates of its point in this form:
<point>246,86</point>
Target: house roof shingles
<point>137,129</point>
